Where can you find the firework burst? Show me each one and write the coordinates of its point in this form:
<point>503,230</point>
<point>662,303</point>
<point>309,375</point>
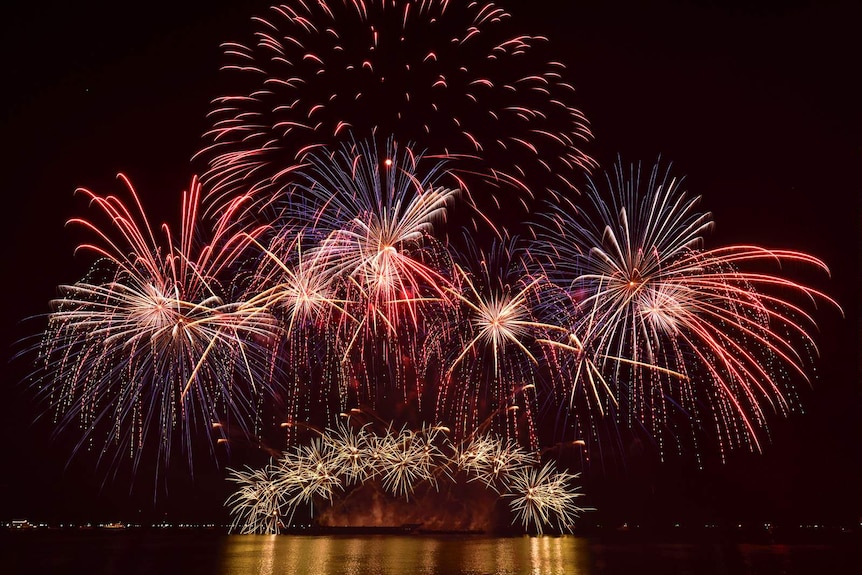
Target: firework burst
<point>661,321</point>
<point>544,497</point>
<point>376,216</point>
<point>342,461</point>
<point>492,460</point>
<point>488,358</point>
<point>256,505</point>
<point>148,343</point>
<point>448,75</point>
<point>351,452</point>
<point>312,472</point>
<point>411,458</point>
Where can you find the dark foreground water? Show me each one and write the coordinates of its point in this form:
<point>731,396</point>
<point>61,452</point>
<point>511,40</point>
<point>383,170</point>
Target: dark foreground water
<point>188,553</point>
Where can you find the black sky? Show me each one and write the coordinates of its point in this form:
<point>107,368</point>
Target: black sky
<point>756,104</point>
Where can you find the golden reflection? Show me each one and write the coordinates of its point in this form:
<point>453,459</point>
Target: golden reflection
<point>353,549</point>
<point>249,554</point>
<point>489,555</point>
<point>267,557</point>
<point>381,555</point>
<point>559,556</point>
<point>429,553</point>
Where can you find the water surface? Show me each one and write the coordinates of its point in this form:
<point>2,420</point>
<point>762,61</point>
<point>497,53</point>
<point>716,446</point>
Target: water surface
<point>199,552</point>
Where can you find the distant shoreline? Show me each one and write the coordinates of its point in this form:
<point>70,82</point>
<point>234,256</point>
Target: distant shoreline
<point>740,534</point>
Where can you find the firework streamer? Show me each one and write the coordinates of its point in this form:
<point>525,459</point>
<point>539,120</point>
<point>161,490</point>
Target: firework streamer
<point>662,324</point>
<point>147,347</point>
<point>488,359</point>
<point>342,460</point>
<point>544,497</point>
<point>375,214</point>
<point>450,76</point>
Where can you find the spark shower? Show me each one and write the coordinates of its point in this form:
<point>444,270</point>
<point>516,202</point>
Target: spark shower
<point>392,219</point>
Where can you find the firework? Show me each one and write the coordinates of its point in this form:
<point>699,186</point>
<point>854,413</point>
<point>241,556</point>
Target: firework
<point>544,497</point>
<point>298,287</point>
<point>351,454</point>
<point>376,216</point>
<point>411,458</point>
<point>492,460</point>
<point>368,216</point>
<point>300,290</point>
<point>257,502</point>
<point>353,270</point>
<point>446,75</point>
<point>488,358</point>
<point>359,131</point>
<point>398,461</point>
<point>311,473</point>
<point>148,343</point>
<point>661,321</point>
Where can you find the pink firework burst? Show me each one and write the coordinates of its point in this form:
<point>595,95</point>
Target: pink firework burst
<point>149,343</point>
<point>450,76</point>
<point>660,323</point>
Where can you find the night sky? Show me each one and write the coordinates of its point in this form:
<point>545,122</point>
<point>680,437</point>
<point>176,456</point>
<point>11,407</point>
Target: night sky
<point>757,106</point>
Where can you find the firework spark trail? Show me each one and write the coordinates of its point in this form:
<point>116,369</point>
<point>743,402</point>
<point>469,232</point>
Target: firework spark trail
<point>447,75</point>
<point>671,322</point>
<point>544,497</point>
<point>492,460</point>
<point>301,291</point>
<point>488,358</point>
<point>268,499</point>
<point>372,213</point>
<point>377,216</point>
<point>147,343</point>
<point>256,505</point>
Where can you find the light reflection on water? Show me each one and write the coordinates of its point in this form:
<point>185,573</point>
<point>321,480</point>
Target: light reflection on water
<point>146,552</point>
<point>384,555</point>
